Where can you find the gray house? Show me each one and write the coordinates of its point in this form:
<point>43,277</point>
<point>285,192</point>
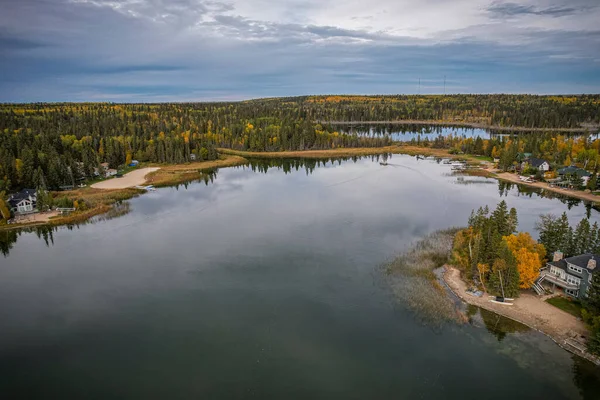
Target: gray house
<point>572,274</point>
<point>24,202</point>
<point>537,163</point>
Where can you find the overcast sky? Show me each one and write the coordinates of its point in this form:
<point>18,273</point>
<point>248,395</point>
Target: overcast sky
<point>181,50</point>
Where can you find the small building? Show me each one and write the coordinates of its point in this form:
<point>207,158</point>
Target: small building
<point>192,157</point>
<point>537,163</point>
<point>111,172</point>
<point>572,171</point>
<point>24,202</point>
<point>134,163</point>
<point>572,274</point>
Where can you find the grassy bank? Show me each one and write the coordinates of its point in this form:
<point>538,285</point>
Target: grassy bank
<point>350,152</point>
<point>93,202</point>
<point>175,174</point>
<point>573,307</point>
<point>414,282</point>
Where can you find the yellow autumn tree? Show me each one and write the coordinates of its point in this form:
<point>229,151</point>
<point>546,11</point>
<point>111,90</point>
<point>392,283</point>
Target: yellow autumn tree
<point>529,255</point>
<point>4,211</point>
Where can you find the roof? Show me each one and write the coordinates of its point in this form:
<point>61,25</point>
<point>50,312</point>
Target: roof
<point>580,261</point>
<point>536,162</point>
<point>573,170</point>
<point>16,198</point>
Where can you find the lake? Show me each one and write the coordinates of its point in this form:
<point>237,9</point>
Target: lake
<point>267,283</point>
<point>406,133</point>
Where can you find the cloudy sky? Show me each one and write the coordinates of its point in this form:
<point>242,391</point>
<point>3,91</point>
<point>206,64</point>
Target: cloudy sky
<point>181,50</point>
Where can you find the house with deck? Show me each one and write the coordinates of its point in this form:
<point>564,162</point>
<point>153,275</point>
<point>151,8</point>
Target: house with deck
<point>571,274</point>
<point>24,202</point>
<point>537,163</point>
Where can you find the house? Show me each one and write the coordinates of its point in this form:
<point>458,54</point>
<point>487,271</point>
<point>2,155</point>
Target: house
<point>572,171</point>
<point>192,157</point>
<point>537,163</point>
<point>111,172</point>
<point>572,274</point>
<point>24,202</point>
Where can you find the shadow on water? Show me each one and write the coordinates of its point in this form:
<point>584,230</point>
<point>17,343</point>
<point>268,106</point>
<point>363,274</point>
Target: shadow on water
<point>495,324</point>
<point>504,188</point>
<point>289,165</point>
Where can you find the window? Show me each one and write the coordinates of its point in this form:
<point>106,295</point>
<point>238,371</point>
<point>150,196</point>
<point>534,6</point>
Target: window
<point>573,280</point>
<point>571,292</point>
<point>576,269</point>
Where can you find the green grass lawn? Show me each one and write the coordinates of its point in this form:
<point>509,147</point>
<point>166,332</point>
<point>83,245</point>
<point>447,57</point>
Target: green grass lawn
<point>571,306</point>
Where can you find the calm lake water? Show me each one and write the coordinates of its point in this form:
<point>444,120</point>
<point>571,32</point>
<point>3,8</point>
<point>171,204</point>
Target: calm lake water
<point>406,133</point>
<point>268,285</point>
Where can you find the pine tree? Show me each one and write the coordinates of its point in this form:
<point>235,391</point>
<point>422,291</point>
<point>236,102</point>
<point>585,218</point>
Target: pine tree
<point>500,217</point>
<point>592,301</point>
<point>581,238</point>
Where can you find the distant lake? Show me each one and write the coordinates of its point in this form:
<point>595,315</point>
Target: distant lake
<point>266,283</point>
<point>405,133</point>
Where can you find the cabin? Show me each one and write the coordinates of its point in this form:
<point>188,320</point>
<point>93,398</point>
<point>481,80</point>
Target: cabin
<point>567,172</point>
<point>537,163</point>
<point>24,202</point>
<point>571,274</point>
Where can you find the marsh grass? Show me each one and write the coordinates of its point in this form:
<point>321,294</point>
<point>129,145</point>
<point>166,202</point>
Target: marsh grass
<point>170,175</point>
<point>414,282</point>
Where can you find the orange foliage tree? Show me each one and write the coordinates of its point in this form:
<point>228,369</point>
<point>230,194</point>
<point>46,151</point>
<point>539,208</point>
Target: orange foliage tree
<point>529,255</point>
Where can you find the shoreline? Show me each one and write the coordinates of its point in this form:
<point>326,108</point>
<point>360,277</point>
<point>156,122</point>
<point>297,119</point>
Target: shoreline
<point>175,174</point>
<point>457,124</point>
<point>102,200</point>
<point>579,194</point>
<point>559,326</point>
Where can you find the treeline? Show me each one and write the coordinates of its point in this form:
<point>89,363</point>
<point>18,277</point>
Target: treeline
<point>556,234</point>
<point>493,254</point>
<point>500,110</point>
<point>510,150</point>
<point>58,144</point>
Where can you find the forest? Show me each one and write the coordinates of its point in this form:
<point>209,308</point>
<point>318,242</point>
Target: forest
<point>493,254</point>
<point>53,145</point>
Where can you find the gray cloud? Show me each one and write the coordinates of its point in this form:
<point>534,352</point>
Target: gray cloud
<point>501,10</point>
<point>157,50</point>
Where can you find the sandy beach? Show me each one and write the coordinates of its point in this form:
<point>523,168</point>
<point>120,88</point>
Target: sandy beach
<point>133,178</point>
<point>529,310</point>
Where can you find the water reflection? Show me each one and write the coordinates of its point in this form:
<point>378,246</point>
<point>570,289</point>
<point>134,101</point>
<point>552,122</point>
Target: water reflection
<point>264,282</point>
<point>406,133</point>
<point>496,324</point>
<point>289,165</point>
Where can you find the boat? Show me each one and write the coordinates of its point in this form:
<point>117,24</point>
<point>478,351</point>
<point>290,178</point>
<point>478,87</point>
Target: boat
<point>501,300</point>
<point>506,298</point>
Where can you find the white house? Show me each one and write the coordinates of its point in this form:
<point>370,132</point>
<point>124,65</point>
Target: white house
<point>537,163</point>
<point>24,202</point>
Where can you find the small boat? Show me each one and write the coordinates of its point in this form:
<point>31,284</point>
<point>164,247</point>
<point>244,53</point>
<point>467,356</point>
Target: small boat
<point>505,298</point>
<point>501,300</point>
